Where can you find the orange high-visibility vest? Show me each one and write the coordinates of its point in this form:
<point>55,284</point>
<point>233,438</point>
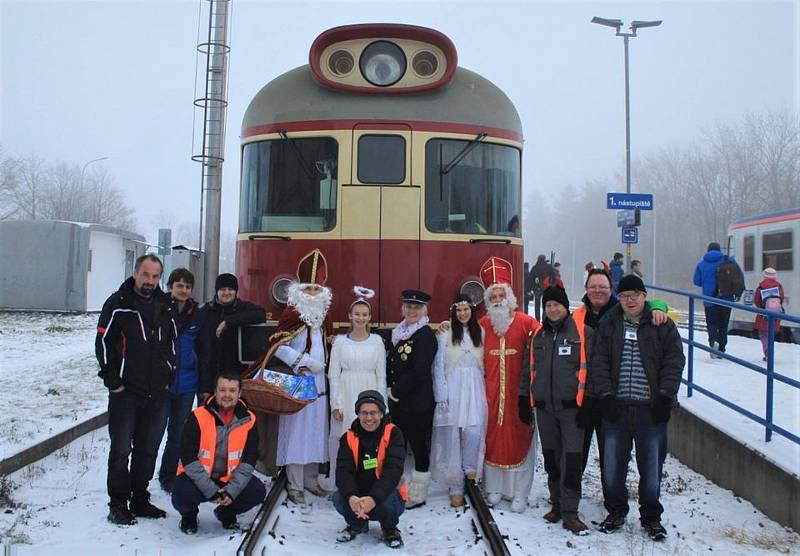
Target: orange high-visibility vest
<point>578,317</point>
<point>353,443</point>
<point>208,442</point>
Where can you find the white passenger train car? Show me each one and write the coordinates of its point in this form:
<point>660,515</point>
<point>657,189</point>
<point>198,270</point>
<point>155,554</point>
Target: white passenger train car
<point>762,241</point>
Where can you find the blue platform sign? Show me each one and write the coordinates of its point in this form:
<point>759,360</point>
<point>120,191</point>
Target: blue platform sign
<point>630,234</point>
<point>629,201</point>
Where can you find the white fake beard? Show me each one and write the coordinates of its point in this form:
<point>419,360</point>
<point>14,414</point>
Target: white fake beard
<point>501,317</point>
<point>312,308</point>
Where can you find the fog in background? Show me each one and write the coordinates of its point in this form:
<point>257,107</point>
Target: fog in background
<point>86,80</point>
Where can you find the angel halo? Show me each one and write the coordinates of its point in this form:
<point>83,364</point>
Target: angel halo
<point>362,295</point>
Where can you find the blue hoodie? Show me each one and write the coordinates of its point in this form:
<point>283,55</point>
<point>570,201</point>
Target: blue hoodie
<point>617,272</point>
<point>705,275</point>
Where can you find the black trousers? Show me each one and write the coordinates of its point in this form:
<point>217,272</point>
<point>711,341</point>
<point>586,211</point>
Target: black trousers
<point>717,318</point>
<point>416,428</point>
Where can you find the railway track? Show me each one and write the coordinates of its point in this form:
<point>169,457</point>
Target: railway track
<point>267,518</point>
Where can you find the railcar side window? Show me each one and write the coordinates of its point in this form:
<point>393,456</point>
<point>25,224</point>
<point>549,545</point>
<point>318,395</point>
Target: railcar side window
<point>289,185</point>
<point>776,250</point>
<point>381,159</point>
<point>749,253</point>
<point>472,188</point>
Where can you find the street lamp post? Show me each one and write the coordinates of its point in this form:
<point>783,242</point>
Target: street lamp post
<point>83,170</point>
<point>635,25</point>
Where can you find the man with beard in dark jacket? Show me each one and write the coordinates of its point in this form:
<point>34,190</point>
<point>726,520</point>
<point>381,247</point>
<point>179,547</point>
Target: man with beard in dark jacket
<point>369,472</point>
<point>224,315</point>
<point>636,370</point>
<point>135,346</point>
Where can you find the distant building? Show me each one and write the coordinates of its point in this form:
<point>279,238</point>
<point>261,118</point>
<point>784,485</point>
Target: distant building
<point>54,265</point>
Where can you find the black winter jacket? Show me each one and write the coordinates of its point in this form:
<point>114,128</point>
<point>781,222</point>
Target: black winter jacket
<point>223,353</point>
<point>660,348</point>
<point>131,350</point>
<point>410,372</point>
<point>352,480</point>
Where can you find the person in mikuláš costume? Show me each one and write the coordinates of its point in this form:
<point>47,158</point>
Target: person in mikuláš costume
<point>219,446</point>
<point>510,445</point>
<point>301,342</point>
<point>410,381</point>
<point>559,354</point>
<point>369,472</point>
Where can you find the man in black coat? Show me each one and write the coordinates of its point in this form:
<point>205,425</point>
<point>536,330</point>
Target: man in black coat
<point>636,370</point>
<point>225,314</point>
<point>540,272</point>
<point>135,346</point>
<point>409,378</point>
<point>369,472</point>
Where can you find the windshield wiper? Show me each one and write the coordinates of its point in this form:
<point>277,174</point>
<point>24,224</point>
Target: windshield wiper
<point>303,162</point>
<point>460,156</point>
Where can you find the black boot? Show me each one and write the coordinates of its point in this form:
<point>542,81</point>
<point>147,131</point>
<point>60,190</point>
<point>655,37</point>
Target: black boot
<point>226,517</point>
<point>189,523</point>
<point>119,514</point>
<point>143,508</point>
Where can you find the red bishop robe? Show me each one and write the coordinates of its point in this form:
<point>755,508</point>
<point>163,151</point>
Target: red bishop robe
<point>508,439</point>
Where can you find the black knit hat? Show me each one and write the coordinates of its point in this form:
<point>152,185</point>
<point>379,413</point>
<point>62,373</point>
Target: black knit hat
<point>555,293</point>
<point>714,246</point>
<point>631,283</point>
<point>226,281</point>
<point>371,396</point>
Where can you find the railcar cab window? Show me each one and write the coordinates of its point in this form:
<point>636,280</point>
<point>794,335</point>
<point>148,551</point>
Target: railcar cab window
<point>289,185</point>
<point>776,250</point>
<point>381,159</point>
<point>472,188</point>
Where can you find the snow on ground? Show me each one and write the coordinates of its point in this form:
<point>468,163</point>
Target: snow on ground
<point>58,505</point>
<point>747,389</point>
<point>49,358</point>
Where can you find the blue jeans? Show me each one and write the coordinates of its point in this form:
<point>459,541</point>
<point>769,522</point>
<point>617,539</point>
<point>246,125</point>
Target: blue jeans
<point>186,497</point>
<point>135,431</point>
<point>717,318</point>
<point>635,425</point>
<point>387,513</point>
<point>175,410</point>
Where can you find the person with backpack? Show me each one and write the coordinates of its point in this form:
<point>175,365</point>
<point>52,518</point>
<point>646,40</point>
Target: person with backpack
<point>720,276</point>
<point>769,295</point>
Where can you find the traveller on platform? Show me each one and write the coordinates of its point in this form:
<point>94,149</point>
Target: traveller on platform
<point>357,363</point>
<point>717,316</point>
<point>225,314</point>
<point>191,362</point>
<point>410,381</point>
<point>636,370</point>
<point>219,448</point>
<point>135,346</point>
<point>616,269</point>
<point>559,353</point>
<point>510,446</point>
<point>369,472</point>
<point>459,422</point>
<point>769,295</point>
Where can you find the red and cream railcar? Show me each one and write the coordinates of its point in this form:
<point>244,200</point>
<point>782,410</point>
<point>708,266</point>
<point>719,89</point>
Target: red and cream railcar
<point>400,166</point>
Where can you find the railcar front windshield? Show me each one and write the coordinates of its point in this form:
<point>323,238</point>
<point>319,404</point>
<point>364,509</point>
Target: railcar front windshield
<point>472,188</point>
<point>289,185</point>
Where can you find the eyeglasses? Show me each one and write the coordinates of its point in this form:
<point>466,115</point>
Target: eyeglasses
<point>369,414</point>
<point>630,297</point>
<point>598,288</point>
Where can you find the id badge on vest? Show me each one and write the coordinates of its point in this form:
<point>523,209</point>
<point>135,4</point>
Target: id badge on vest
<point>370,463</point>
<point>630,334</point>
<point>565,350</point>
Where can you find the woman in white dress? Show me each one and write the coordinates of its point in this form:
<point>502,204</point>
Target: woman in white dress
<point>459,422</point>
<point>357,363</point>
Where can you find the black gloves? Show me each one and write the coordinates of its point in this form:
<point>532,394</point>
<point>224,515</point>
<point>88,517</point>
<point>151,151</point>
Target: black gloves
<point>525,412</point>
<point>661,409</point>
<point>588,412</point>
<point>609,408</point>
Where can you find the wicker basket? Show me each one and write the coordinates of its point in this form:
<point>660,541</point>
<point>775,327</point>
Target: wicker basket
<point>269,398</point>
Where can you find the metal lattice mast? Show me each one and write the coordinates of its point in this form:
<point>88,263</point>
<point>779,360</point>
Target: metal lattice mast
<point>211,153</point>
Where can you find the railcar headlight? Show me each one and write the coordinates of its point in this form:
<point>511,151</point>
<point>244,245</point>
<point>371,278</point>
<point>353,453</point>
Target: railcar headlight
<point>424,63</point>
<point>474,290</point>
<point>280,289</point>
<point>341,63</point>
<point>382,63</point>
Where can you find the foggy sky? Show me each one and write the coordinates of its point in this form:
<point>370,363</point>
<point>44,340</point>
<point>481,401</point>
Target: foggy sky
<point>83,80</point>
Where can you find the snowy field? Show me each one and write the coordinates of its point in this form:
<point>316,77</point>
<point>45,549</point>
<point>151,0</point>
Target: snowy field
<point>49,358</point>
<point>58,506</point>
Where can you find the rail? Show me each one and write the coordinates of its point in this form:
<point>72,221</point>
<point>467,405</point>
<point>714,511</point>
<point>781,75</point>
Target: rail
<point>491,533</point>
<point>768,371</point>
<point>251,539</point>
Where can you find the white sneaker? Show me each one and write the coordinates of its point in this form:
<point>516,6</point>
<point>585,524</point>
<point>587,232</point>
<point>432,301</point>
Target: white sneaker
<point>518,504</point>
<point>493,498</point>
<point>715,345</point>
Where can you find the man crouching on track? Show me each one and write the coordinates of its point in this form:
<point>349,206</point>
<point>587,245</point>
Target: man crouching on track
<point>369,472</point>
<point>219,448</point>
